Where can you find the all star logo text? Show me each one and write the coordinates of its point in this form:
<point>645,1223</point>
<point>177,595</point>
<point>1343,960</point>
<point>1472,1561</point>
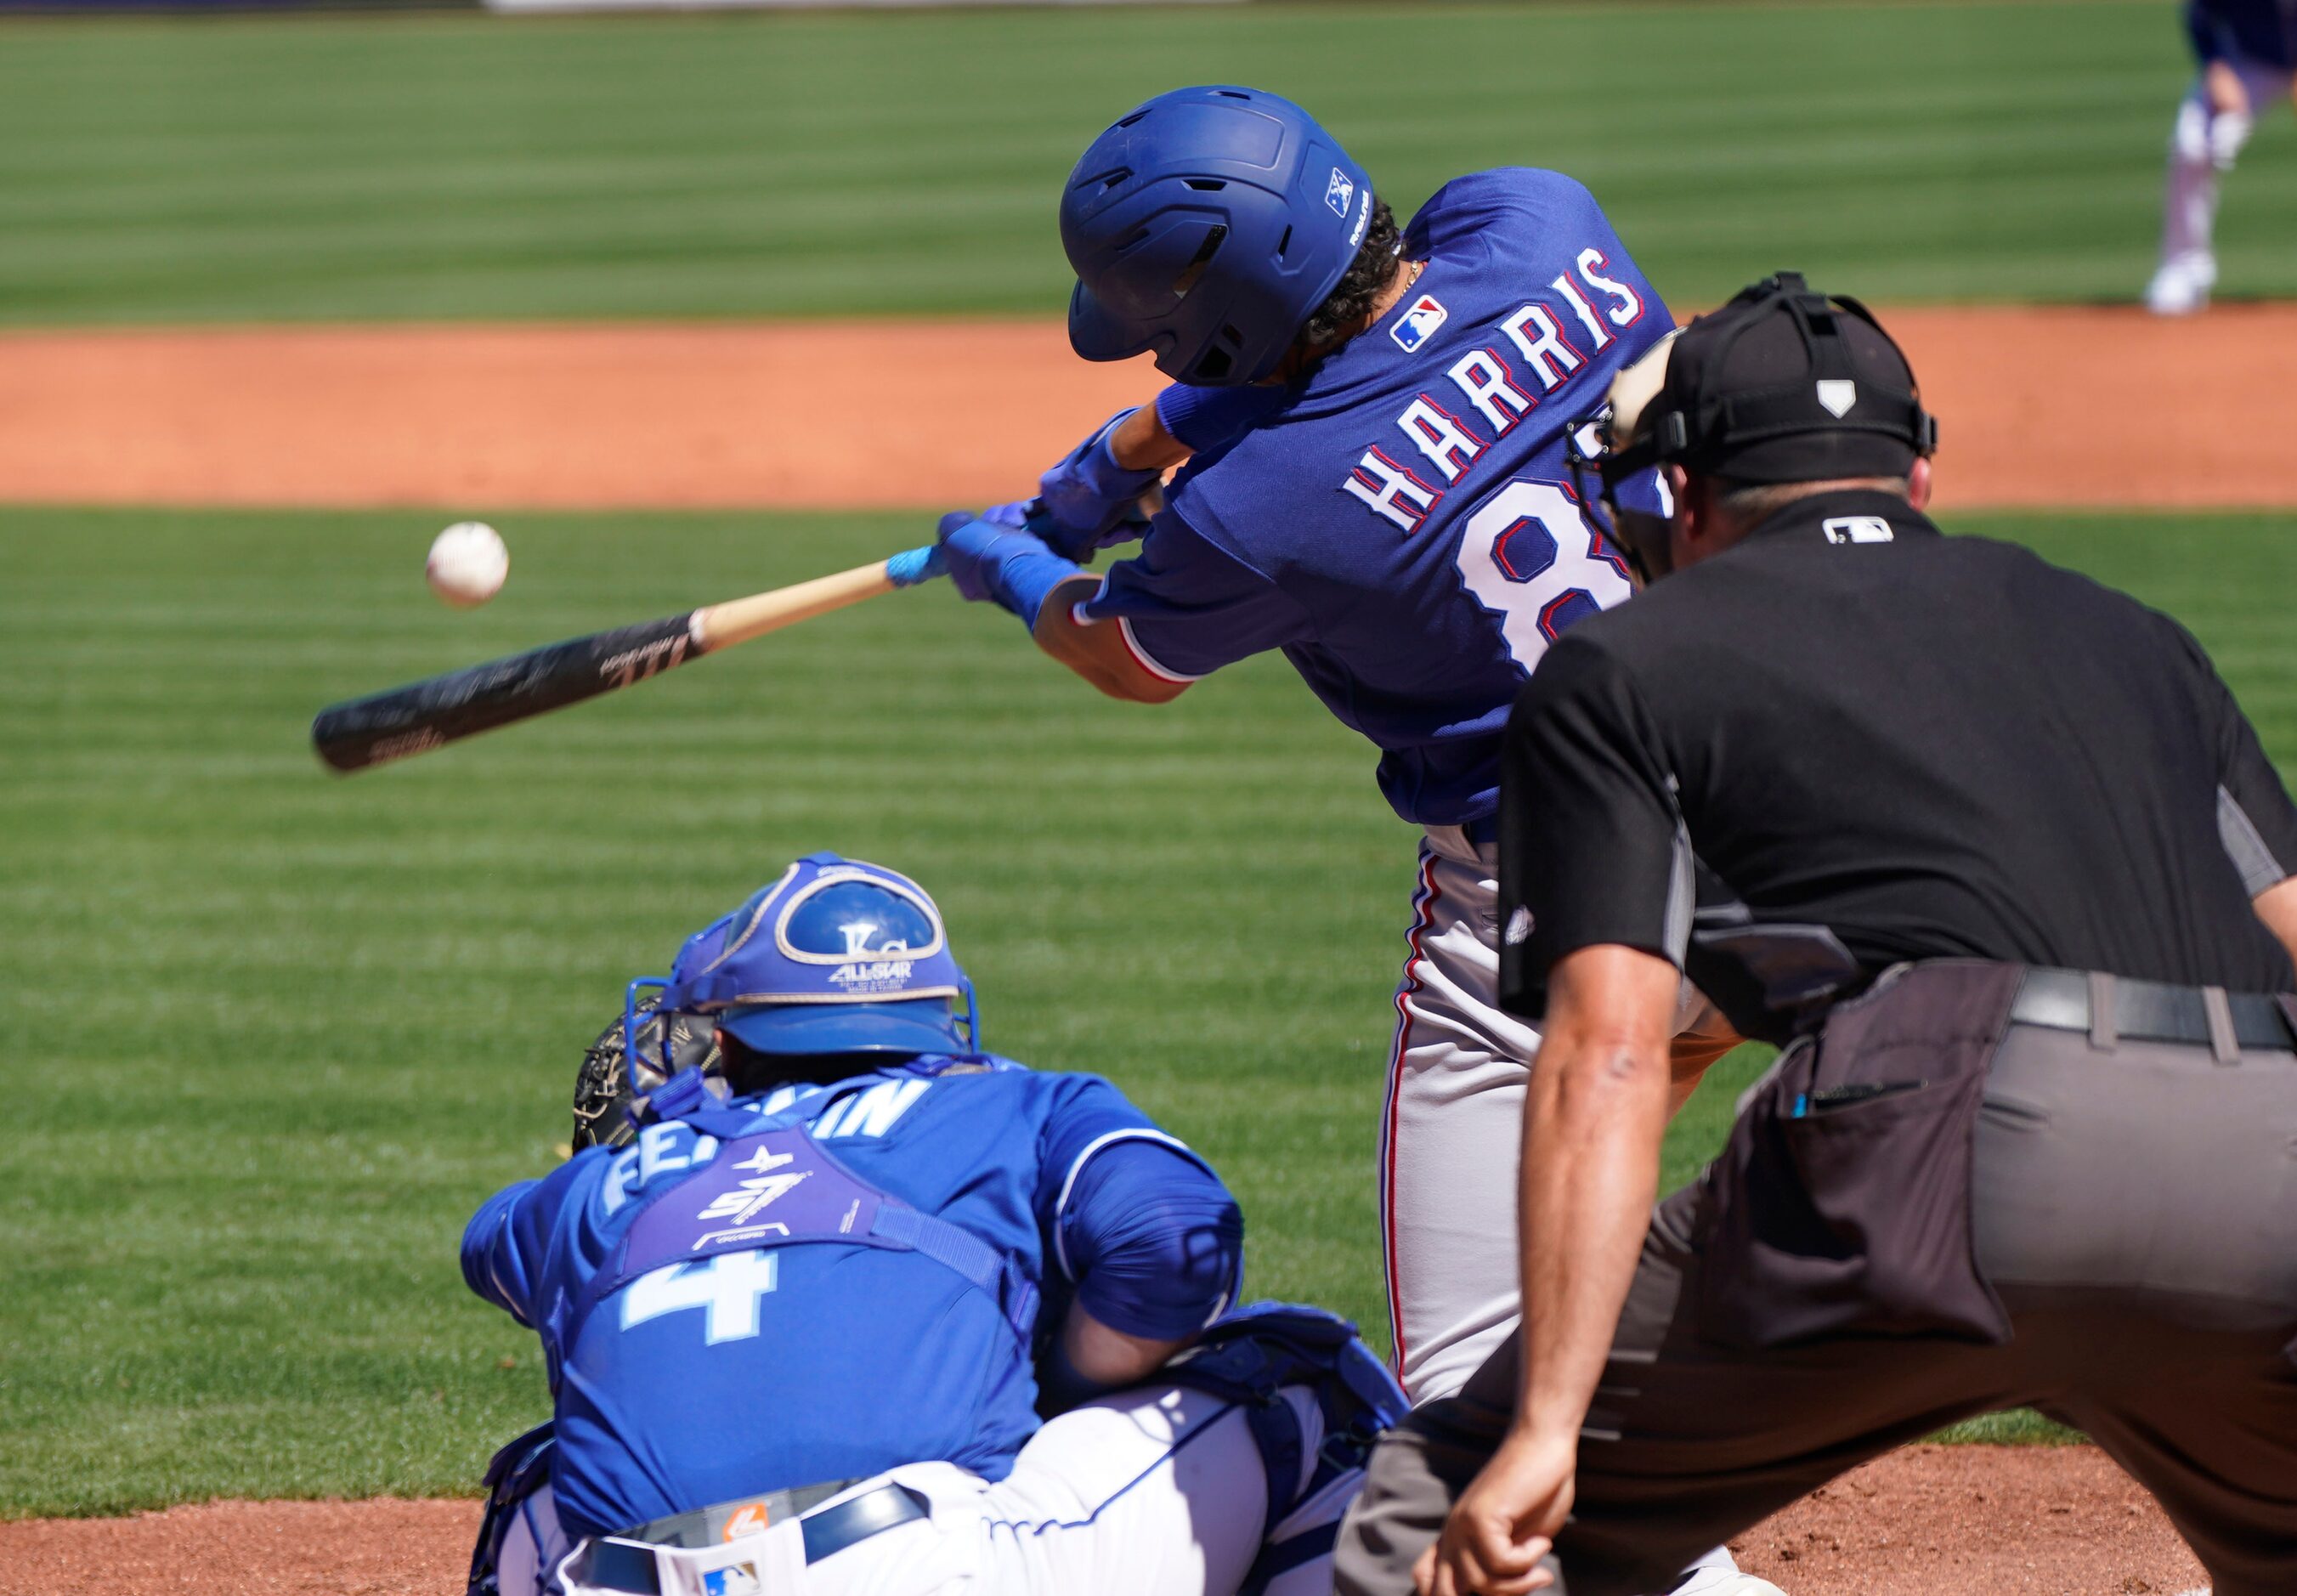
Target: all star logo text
<point>878,975</point>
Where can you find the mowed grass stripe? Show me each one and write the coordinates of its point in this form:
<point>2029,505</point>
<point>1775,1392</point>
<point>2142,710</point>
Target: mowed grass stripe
<point>279,1033</point>
<point>423,166</point>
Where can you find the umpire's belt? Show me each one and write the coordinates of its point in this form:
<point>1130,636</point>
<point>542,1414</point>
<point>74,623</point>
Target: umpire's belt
<point>2151,1011</point>
<point>630,1560</point>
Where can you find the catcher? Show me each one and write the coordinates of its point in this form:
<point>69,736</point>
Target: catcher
<point>804,1293</point>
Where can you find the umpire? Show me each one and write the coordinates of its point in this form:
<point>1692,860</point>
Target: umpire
<point>1992,851</point>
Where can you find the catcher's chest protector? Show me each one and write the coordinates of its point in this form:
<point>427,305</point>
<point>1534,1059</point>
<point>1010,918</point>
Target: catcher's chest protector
<point>763,1189</point>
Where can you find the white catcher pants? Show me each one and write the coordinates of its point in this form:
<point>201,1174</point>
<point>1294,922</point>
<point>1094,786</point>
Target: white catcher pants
<point>1157,1491</point>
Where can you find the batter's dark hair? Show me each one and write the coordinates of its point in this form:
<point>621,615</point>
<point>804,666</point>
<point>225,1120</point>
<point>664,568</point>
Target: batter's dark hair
<point>1344,309</point>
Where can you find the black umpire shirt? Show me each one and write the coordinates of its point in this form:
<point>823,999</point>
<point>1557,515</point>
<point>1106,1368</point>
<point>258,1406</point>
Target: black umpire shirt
<point>1850,741</point>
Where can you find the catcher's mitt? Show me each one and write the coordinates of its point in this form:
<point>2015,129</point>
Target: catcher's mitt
<point>604,1086</point>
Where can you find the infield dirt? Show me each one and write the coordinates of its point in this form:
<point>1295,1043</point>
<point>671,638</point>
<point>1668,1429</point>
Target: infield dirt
<point>1969,1520</point>
<point>2037,408</point>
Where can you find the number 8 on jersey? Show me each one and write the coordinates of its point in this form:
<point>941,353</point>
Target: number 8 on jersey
<point>1527,552</point>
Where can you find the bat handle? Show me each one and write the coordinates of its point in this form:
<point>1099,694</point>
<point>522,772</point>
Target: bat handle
<point>739,619</point>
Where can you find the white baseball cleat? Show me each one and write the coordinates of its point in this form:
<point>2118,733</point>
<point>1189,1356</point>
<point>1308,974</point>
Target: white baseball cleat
<point>2182,286</point>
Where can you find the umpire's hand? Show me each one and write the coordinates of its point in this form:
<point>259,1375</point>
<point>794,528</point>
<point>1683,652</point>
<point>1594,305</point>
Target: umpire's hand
<point>1504,1522</point>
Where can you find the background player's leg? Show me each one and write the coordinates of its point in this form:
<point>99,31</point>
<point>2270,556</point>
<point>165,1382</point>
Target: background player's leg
<point>1451,1133</point>
<point>2264,86</point>
<point>2213,125</point>
<point>2187,268</point>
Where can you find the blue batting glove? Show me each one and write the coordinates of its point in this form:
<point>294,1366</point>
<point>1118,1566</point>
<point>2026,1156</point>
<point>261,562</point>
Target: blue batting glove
<point>1089,498</point>
<point>963,564</point>
<point>1008,567</point>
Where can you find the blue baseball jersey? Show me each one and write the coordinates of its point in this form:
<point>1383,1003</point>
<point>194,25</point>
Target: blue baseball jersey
<point>1403,524</point>
<point>788,1365</point>
<point>2264,31</point>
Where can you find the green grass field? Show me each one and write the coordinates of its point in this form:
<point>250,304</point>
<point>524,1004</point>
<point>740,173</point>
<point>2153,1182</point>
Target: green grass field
<point>276,1035</point>
<point>467,166</point>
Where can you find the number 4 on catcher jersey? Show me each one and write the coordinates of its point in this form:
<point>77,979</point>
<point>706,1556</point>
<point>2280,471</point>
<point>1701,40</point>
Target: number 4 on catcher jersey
<point>729,1286</point>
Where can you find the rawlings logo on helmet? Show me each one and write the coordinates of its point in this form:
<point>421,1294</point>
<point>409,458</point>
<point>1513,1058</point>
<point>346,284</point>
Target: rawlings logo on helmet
<point>884,975</point>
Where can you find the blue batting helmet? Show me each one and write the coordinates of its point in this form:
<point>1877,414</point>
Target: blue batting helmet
<point>1208,226</point>
<point>836,956</point>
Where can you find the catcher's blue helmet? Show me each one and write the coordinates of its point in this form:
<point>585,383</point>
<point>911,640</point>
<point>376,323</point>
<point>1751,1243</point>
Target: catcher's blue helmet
<point>1207,225</point>
<point>836,956</point>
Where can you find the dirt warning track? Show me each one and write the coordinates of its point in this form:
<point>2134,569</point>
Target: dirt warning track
<point>2038,406</point>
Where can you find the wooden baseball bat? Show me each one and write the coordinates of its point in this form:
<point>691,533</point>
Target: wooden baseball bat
<point>431,713</point>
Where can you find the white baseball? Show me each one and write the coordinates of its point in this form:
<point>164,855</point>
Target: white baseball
<point>467,564</point>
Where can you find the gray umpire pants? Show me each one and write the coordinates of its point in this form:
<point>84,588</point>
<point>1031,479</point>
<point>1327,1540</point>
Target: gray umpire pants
<point>2132,1214</point>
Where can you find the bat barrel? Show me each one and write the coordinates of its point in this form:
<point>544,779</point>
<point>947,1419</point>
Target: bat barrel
<point>423,715</point>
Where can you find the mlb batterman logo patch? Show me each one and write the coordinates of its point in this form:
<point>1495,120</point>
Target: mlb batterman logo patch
<point>1421,318</point>
<point>1339,192</point>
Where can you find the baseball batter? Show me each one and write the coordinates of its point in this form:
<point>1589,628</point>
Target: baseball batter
<point>1374,427</point>
<point>2247,56</point>
<point>799,1330</point>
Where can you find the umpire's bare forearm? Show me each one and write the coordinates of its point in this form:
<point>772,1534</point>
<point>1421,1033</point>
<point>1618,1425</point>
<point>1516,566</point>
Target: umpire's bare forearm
<point>1594,1120</point>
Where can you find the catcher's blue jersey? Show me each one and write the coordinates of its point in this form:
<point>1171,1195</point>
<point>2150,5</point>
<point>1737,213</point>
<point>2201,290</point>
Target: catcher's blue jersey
<point>1403,526</point>
<point>788,1365</point>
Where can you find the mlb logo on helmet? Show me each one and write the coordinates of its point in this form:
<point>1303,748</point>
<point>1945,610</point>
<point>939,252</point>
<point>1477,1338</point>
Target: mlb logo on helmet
<point>1339,192</point>
<point>1423,316</point>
